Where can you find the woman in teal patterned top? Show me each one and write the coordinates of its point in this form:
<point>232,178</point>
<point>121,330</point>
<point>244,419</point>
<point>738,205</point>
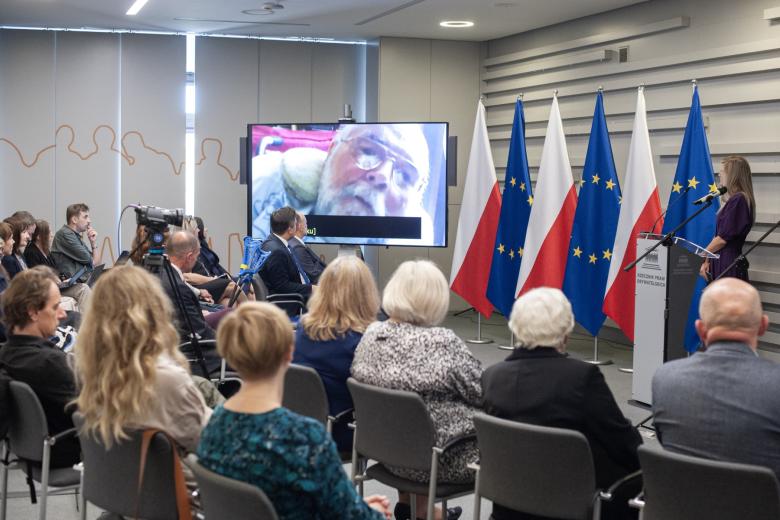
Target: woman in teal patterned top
<point>254,439</point>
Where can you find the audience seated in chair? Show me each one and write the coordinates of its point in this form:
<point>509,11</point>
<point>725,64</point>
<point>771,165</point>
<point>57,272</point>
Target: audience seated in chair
<point>31,312</point>
<point>723,403</point>
<point>21,229</point>
<point>182,249</point>
<point>38,253</point>
<point>131,373</point>
<point>311,264</point>
<point>281,272</point>
<point>339,312</point>
<point>409,352</point>
<point>539,384</point>
<point>68,248</point>
<point>220,286</point>
<point>252,438</point>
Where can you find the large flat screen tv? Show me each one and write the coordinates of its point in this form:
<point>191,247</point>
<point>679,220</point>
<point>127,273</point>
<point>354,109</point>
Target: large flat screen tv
<point>357,183</point>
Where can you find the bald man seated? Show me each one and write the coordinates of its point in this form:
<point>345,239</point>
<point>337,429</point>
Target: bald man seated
<point>723,403</point>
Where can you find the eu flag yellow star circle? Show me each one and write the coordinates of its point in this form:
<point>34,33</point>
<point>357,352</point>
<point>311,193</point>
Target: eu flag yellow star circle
<point>511,254</point>
<point>610,184</point>
<point>577,252</point>
<point>522,186</point>
<point>592,259</point>
<point>530,200</point>
<point>713,188</point>
<point>595,178</point>
<point>513,182</point>
<point>607,254</point>
<point>693,183</point>
<point>501,248</point>
<point>676,187</point>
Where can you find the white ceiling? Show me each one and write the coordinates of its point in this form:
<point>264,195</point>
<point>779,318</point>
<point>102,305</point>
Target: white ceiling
<point>343,19</point>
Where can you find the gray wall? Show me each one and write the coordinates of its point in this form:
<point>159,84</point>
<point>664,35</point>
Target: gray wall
<point>727,46</point>
<point>430,80</point>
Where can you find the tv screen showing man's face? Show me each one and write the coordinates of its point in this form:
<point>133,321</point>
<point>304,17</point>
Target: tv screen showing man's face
<point>358,183</point>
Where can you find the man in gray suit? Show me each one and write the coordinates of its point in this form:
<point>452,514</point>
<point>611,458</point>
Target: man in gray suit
<point>723,403</point>
<point>310,262</point>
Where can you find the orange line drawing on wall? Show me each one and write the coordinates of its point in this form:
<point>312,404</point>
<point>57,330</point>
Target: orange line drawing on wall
<point>126,155</point>
<point>230,174</point>
<point>107,244</point>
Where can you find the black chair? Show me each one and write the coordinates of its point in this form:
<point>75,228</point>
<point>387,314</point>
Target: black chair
<point>223,497</point>
<point>537,470</point>
<point>305,394</point>
<point>292,303</point>
<point>394,428</point>
<point>29,440</point>
<point>111,476</point>
<point>682,487</point>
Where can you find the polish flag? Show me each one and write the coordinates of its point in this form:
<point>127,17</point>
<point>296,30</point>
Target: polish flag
<point>477,223</point>
<point>552,213</point>
<point>639,209</point>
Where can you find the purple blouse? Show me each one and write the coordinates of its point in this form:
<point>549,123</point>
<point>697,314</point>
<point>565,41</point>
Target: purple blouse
<point>732,225</point>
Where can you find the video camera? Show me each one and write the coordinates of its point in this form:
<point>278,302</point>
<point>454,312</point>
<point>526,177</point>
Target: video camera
<point>155,217</point>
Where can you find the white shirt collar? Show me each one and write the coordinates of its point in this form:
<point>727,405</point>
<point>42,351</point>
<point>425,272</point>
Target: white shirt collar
<point>283,240</point>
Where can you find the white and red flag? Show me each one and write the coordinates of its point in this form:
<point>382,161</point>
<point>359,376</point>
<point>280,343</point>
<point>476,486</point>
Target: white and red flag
<point>639,210</point>
<point>477,223</point>
<point>552,213</point>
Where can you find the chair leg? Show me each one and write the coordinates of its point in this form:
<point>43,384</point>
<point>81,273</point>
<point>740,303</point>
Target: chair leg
<point>4,484</point>
<point>82,499</point>
<point>477,498</point>
<point>432,485</point>
<point>597,508</point>
<point>413,505</point>
<point>44,479</point>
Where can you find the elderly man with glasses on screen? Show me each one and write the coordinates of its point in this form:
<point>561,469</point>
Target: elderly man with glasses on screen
<point>368,170</point>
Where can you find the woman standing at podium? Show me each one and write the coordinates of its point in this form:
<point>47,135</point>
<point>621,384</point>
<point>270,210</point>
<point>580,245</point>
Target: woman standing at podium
<point>735,218</point>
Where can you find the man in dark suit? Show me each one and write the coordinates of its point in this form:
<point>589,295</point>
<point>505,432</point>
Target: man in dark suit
<point>723,403</point>
<point>539,384</point>
<point>308,259</point>
<point>183,250</point>
<point>282,273</point>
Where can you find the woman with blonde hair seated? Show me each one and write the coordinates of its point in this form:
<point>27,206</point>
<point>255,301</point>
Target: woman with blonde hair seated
<point>339,312</point>
<point>410,352</point>
<point>131,373</point>
<point>252,438</point>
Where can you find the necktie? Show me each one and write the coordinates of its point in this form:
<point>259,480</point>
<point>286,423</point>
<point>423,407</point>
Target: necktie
<point>298,266</point>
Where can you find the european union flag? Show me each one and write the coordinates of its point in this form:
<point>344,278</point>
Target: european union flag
<point>694,171</point>
<point>513,221</point>
<point>595,224</point>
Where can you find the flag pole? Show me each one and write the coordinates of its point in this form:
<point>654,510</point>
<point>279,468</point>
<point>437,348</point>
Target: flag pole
<point>511,345</point>
<point>596,360</point>
<point>479,340</point>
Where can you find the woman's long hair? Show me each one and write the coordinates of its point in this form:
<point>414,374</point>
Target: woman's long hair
<point>739,180</point>
<point>346,299</point>
<point>42,236</point>
<point>128,325</point>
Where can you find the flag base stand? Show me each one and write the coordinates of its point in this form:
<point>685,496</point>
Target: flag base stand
<point>479,340</point>
<point>596,360</point>
<point>626,370</point>
<point>511,345</point>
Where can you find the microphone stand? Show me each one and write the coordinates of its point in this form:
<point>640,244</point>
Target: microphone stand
<point>678,199</point>
<point>741,258</point>
<point>667,238</point>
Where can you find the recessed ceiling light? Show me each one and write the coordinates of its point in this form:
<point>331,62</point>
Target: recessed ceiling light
<point>137,6</point>
<point>456,23</point>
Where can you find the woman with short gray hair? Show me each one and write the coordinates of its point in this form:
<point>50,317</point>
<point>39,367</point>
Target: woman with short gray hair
<point>411,352</point>
<point>539,384</point>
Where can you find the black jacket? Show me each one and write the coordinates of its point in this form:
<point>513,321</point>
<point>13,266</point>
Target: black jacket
<point>279,272</point>
<point>547,388</point>
<point>192,308</point>
<point>308,259</point>
<point>34,256</point>
<point>45,368</point>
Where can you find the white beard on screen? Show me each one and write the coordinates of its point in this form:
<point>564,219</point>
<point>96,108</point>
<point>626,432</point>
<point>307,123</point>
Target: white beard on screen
<point>359,199</point>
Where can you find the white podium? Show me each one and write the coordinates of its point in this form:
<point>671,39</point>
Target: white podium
<point>665,281</point>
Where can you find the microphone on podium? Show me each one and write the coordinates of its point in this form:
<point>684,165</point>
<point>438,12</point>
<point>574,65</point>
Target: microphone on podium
<point>714,194</point>
<point>662,215</point>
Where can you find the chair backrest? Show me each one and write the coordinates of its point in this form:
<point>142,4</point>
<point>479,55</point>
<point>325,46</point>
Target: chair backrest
<point>28,427</point>
<point>393,426</point>
<point>261,290</point>
<point>111,475</point>
<point>535,469</point>
<point>223,497</point>
<point>681,487</point>
<point>304,393</point>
